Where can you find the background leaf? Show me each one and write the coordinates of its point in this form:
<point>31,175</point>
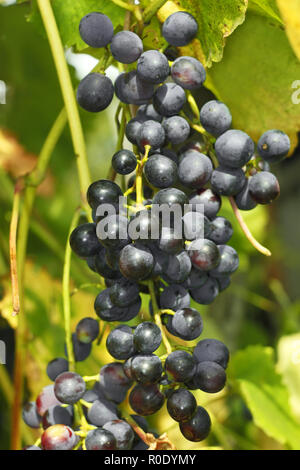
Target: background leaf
<point>260,66</point>
<point>266,8</point>
<point>267,398</point>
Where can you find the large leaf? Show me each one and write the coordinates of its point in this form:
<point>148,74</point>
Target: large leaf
<point>217,20</point>
<point>267,8</point>
<point>290,13</point>
<point>255,79</point>
<point>253,371</point>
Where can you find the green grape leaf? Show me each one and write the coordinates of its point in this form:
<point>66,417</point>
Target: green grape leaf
<point>217,20</point>
<point>253,371</point>
<point>261,67</point>
<point>69,13</point>
<point>152,38</point>
<point>266,8</point>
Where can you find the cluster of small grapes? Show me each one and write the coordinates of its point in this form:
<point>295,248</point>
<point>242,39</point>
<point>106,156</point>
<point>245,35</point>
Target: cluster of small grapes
<point>174,159</point>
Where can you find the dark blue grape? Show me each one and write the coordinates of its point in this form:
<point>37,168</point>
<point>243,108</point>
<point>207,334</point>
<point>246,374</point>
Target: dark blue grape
<point>102,411</point>
<point>100,439</point>
<point>69,387</point>
<point>153,67</point>
<point>56,415</point>
<point>146,400</point>
<point>180,366</point>
<point>151,133</point>
<point>188,72</point>
<point>243,199</point>
<point>31,416</point>
<point>160,171</point>
<point>206,200</point>
<point>207,293</point>
<point>103,192</point>
<point>177,129</point>
<point>95,92</point>
<point>146,368</point>
<point>204,254</point>
<point>124,162</point>
<point>126,47</point>
<point>96,29</point>
<point>221,231</point>
<point>187,324</point>
<point>198,427</point>
<point>119,342</point>
<point>147,337</point>
<point>212,350</point>
<point>130,89</point>
<point>229,262</point>
<point>84,241</point>
<point>174,297</point>
<point>181,405</point>
<point>201,169</point>
<point>179,267</point>
<point>215,117</point>
<point>87,330</point>
<point>273,146</point>
<point>234,148</point>
<point>113,382</point>
<point>169,99</point>
<point>227,182</point>
<point>264,187</point>
<point>147,112</point>
<point>136,262</point>
<point>56,367</point>
<point>122,432</point>
<point>180,28</point>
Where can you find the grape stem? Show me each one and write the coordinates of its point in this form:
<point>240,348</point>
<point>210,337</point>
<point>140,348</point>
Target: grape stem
<point>31,184</point>
<point>152,9</point>
<point>246,230</point>
<point>157,317</point>
<point>193,105</point>
<point>135,9</point>
<point>64,78</point>
<point>66,293</point>
<point>13,249</point>
<point>139,178</point>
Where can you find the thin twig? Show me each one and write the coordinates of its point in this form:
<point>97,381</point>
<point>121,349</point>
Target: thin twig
<point>13,250</point>
<point>246,230</point>
<point>66,293</point>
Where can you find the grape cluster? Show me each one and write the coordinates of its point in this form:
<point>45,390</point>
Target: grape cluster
<point>175,162</point>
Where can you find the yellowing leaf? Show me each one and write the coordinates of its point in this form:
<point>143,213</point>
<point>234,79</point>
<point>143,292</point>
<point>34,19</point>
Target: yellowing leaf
<point>217,20</point>
<point>290,12</point>
<point>253,370</point>
<point>255,79</point>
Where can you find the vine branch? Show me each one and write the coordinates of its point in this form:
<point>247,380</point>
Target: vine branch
<point>246,230</point>
<point>64,78</point>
